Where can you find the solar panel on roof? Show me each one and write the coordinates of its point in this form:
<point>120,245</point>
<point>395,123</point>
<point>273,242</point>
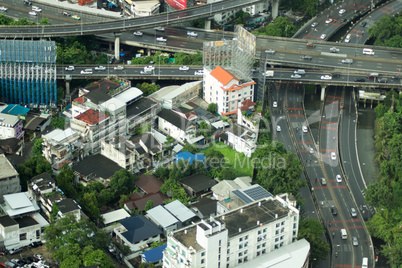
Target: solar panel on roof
<point>257,193</point>
<point>242,196</point>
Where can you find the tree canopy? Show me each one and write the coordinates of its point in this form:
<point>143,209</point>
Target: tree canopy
<point>122,182</point>
<point>281,26</point>
<point>387,31</point>
<point>313,232</point>
<point>34,166</point>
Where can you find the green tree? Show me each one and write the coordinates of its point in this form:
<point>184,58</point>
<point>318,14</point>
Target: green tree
<point>387,31</point>
<point>227,174</point>
<point>313,232</point>
<point>92,257</point>
<point>34,166</point>
<point>215,159</point>
<point>58,122</point>
<point>55,210</point>
<point>204,129</point>
<point>44,21</point>
<point>162,173</point>
<point>123,198</point>
<point>147,88</point>
<point>106,196</point>
<point>90,205</point>
<point>65,180</point>
<point>37,147</point>
<point>281,26</point>
<point>122,182</point>
<point>149,205</point>
<point>190,148</point>
<point>212,107</point>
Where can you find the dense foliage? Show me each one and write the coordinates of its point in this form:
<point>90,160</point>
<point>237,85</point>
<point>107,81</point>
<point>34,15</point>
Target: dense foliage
<point>281,26</point>
<point>148,88</point>
<point>180,58</point>
<point>313,231</point>
<point>34,166</point>
<point>387,31</point>
<point>386,194</point>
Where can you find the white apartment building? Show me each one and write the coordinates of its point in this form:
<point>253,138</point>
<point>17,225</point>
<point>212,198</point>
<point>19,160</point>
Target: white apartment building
<point>9,178</point>
<point>10,127</point>
<point>234,238</point>
<point>226,90</point>
<point>227,16</point>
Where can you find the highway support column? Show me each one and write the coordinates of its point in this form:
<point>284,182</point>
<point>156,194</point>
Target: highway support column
<point>207,24</point>
<point>323,87</point>
<point>68,94</point>
<point>275,8</point>
<point>117,46</point>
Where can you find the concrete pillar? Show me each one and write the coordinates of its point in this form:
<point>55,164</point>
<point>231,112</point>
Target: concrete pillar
<point>148,52</point>
<point>153,82</point>
<point>117,46</point>
<point>323,87</point>
<point>110,46</point>
<point>67,89</point>
<point>207,24</point>
<point>275,8</point>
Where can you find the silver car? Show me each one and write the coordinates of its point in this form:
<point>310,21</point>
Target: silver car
<point>354,241</point>
<point>353,213</point>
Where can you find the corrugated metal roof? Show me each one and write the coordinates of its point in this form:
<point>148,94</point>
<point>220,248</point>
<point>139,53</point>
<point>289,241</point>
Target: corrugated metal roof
<point>180,211</point>
<point>162,217</point>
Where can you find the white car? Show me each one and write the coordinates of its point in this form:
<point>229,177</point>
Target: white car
<point>118,68</point>
<point>342,11</point>
<point>328,21</point>
<point>353,212</point>
<point>70,68</point>
<point>100,68</point>
<point>160,29</point>
<point>311,150</point>
<point>275,104</point>
<point>138,33</point>
<point>36,9</point>
<point>146,72</point>
<point>347,61</point>
<point>149,67</point>
<point>278,128</point>
<point>86,72</point>
<point>347,39</point>
<point>323,36</point>
<point>304,129</point>
<point>295,76</point>
<point>338,178</point>
<point>3,8</point>
<point>326,77</point>
<point>199,72</point>
<point>270,51</point>
<point>33,13</point>
<point>314,24</point>
<point>161,39</point>
<point>184,68</point>
<point>333,156</point>
<point>354,241</point>
<point>192,34</point>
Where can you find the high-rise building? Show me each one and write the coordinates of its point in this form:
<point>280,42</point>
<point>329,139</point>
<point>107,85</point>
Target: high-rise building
<point>235,237</point>
<point>28,72</point>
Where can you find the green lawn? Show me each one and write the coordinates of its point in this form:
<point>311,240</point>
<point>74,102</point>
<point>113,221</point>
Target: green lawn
<point>236,162</point>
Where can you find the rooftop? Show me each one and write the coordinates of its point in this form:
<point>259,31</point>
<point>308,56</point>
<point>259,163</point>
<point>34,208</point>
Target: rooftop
<point>6,221</point>
<point>175,119</point>
<point>7,170</point>
<point>129,95</point>
<point>154,254</point>
<point>67,205</point>
<point>223,76</point>
<point>157,199</point>
<point>140,106</point>
<point>98,165</point>
<point>115,215</point>
<point>96,96</point>
<point>180,211</point>
<point>162,216</point>
<point>42,181</point>
<point>26,221</point>
<point>19,203</point>
<point>187,237</point>
<point>59,135</point>
<point>246,218</point>
<point>198,182</point>
<point>161,93</point>
<point>8,120</point>
<point>180,90</point>
<point>206,206</point>
<point>91,117</point>
<point>149,183</point>
<point>112,105</point>
<point>252,193</point>
<point>139,228</point>
<point>103,85</point>
<point>15,109</point>
<point>33,121</point>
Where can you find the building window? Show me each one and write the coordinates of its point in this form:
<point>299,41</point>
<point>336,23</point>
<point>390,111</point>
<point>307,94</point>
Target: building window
<point>251,92</point>
<point>264,244</point>
<point>183,253</point>
<point>246,244</point>
<point>277,225</point>
<point>202,261</point>
<point>240,261</point>
<point>258,247</point>
<point>276,246</point>
<point>295,218</point>
<point>264,251</point>
<point>259,232</point>
<point>240,239</point>
<point>246,237</point>
<point>240,95</point>
<point>245,252</point>
<point>227,259</point>
<point>277,239</point>
<point>282,223</point>
<point>277,232</point>
<point>202,254</point>
<point>282,237</point>
<point>23,236</point>
<point>294,233</point>
<point>240,254</point>
<point>228,251</point>
<point>240,246</point>
<point>258,253</point>
<point>294,225</point>
<point>281,244</point>
<point>282,230</point>
<point>265,230</point>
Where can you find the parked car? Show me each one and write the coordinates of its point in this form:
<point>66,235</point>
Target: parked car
<point>100,68</point>
<point>270,51</point>
<point>184,68</point>
<point>33,259</point>
<point>138,33</point>
<point>35,244</point>
<point>118,68</point>
<point>15,251</point>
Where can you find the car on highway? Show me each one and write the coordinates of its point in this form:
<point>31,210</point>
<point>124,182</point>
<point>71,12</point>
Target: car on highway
<point>36,9</point>
<point>118,68</point>
<point>333,211</point>
<point>270,51</point>
<point>274,104</point>
<point>159,29</point>
<point>33,13</point>
<point>360,80</point>
<point>306,57</point>
<point>323,181</point>
<point>396,77</point>
<point>347,61</point>
<point>86,71</point>
<point>69,68</point>
<point>363,24</point>
<point>304,129</point>
<point>310,45</point>
<point>326,77</point>
<point>278,128</point>
<point>311,150</point>
<point>383,80</point>
<point>333,156</point>
<point>295,76</point>
<point>149,67</point>
<point>327,21</point>
<point>184,68</point>
<point>334,50</point>
<point>146,72</point>
<point>138,33</point>
<point>338,178</point>
<point>100,68</point>
<point>323,36</point>
<point>75,17</point>
<point>336,75</point>
<point>347,39</point>
<point>161,39</point>
<point>65,13</point>
<point>3,8</point>
<point>357,10</point>
<point>353,213</point>
<point>342,11</point>
<point>355,242</point>
<point>199,72</point>
<point>192,34</point>
<point>314,24</point>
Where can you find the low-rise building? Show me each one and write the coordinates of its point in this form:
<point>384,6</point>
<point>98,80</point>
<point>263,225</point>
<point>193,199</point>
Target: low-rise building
<point>242,140</point>
<point>176,126</point>
<point>18,232</point>
<point>69,206</point>
<point>141,112</point>
<point>10,126</point>
<point>9,178</point>
<point>123,152</point>
<point>197,184</point>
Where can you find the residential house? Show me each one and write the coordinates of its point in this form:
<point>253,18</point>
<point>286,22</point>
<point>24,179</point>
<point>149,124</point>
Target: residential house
<point>19,232</point>
<point>114,216</point>
<point>105,85</point>
<point>154,256</point>
<point>123,152</point>
<point>37,123</point>
<point>247,117</point>
<point>69,206</point>
<point>138,233</point>
<point>138,201</point>
<point>181,212</point>
<point>226,90</point>
<point>176,126</point>
<point>204,207</point>
<point>91,100</point>
<point>163,219</point>
<point>10,126</point>
<point>129,96</point>
<point>140,113</point>
<point>242,140</point>
<point>197,184</point>
<point>236,237</point>
<point>12,146</point>
<point>148,184</point>
<point>9,178</point>
<point>224,188</point>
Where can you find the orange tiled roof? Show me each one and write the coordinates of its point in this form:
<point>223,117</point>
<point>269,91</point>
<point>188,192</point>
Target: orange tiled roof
<point>91,117</point>
<point>247,103</point>
<point>80,100</point>
<point>222,75</point>
<point>237,87</point>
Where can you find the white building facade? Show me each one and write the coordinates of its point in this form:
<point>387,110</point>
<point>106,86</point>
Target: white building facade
<point>226,90</point>
<point>234,238</point>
